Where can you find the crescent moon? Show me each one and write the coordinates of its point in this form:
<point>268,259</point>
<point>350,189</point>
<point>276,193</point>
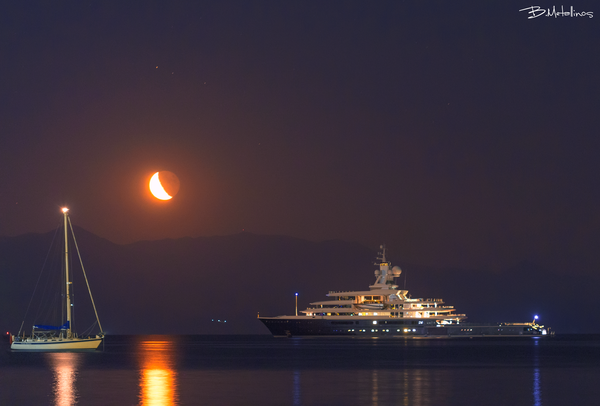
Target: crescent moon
<point>157,188</point>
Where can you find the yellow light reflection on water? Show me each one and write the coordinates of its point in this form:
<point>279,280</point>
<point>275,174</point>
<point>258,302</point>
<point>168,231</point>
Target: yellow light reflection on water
<point>158,380</point>
<point>65,367</point>
<point>375,388</point>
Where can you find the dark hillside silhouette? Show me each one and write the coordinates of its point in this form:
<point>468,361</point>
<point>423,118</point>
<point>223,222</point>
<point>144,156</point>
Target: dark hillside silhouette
<point>180,286</point>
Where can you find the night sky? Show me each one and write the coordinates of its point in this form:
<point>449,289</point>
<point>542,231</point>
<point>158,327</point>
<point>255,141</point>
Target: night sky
<point>458,133</point>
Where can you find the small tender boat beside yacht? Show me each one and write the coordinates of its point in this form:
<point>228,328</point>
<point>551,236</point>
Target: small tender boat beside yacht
<point>386,311</point>
<point>62,337</point>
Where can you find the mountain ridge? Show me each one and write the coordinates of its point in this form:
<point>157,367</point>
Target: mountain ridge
<point>178,286</point>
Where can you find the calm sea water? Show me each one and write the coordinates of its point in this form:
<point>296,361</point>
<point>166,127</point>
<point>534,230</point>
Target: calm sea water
<point>261,370</point>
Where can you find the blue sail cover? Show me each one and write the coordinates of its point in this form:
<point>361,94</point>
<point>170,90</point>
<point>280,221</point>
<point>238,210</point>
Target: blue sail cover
<point>63,327</point>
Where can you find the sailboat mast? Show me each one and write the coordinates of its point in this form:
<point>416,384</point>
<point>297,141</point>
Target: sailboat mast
<point>68,282</point>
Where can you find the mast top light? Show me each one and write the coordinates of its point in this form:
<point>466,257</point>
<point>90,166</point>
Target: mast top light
<point>64,210</point>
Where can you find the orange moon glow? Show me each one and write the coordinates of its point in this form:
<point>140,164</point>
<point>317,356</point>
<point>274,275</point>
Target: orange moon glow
<point>164,185</point>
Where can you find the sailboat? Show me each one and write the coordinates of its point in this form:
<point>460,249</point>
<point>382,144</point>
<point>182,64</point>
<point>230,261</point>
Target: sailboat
<point>62,337</point>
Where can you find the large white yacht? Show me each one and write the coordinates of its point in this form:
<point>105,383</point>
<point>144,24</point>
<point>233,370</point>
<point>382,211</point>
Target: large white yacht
<point>385,310</point>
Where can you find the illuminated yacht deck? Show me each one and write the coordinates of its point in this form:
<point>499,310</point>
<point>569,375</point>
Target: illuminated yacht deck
<point>384,305</point>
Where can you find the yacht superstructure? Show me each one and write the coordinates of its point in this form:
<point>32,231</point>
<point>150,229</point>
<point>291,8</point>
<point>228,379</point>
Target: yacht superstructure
<point>386,310</point>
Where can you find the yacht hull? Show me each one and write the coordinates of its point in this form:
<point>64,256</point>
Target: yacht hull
<point>57,345</point>
<point>366,327</point>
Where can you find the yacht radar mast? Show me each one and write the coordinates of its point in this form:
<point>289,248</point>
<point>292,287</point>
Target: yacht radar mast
<point>385,274</point>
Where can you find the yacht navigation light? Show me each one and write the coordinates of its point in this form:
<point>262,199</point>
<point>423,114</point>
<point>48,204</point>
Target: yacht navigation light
<point>64,210</point>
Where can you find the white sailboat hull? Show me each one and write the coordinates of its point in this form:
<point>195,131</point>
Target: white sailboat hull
<point>57,345</point>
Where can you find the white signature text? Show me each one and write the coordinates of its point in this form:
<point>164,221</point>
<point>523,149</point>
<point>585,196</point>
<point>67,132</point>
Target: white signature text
<point>537,11</point>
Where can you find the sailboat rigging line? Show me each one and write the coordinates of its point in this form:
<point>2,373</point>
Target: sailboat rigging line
<point>84,275</point>
<point>38,280</point>
<point>89,330</point>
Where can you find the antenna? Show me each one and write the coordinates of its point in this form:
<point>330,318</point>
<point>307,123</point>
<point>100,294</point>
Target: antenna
<point>381,255</point>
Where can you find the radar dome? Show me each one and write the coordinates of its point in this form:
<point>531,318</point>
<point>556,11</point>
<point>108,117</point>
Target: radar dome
<point>396,271</point>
